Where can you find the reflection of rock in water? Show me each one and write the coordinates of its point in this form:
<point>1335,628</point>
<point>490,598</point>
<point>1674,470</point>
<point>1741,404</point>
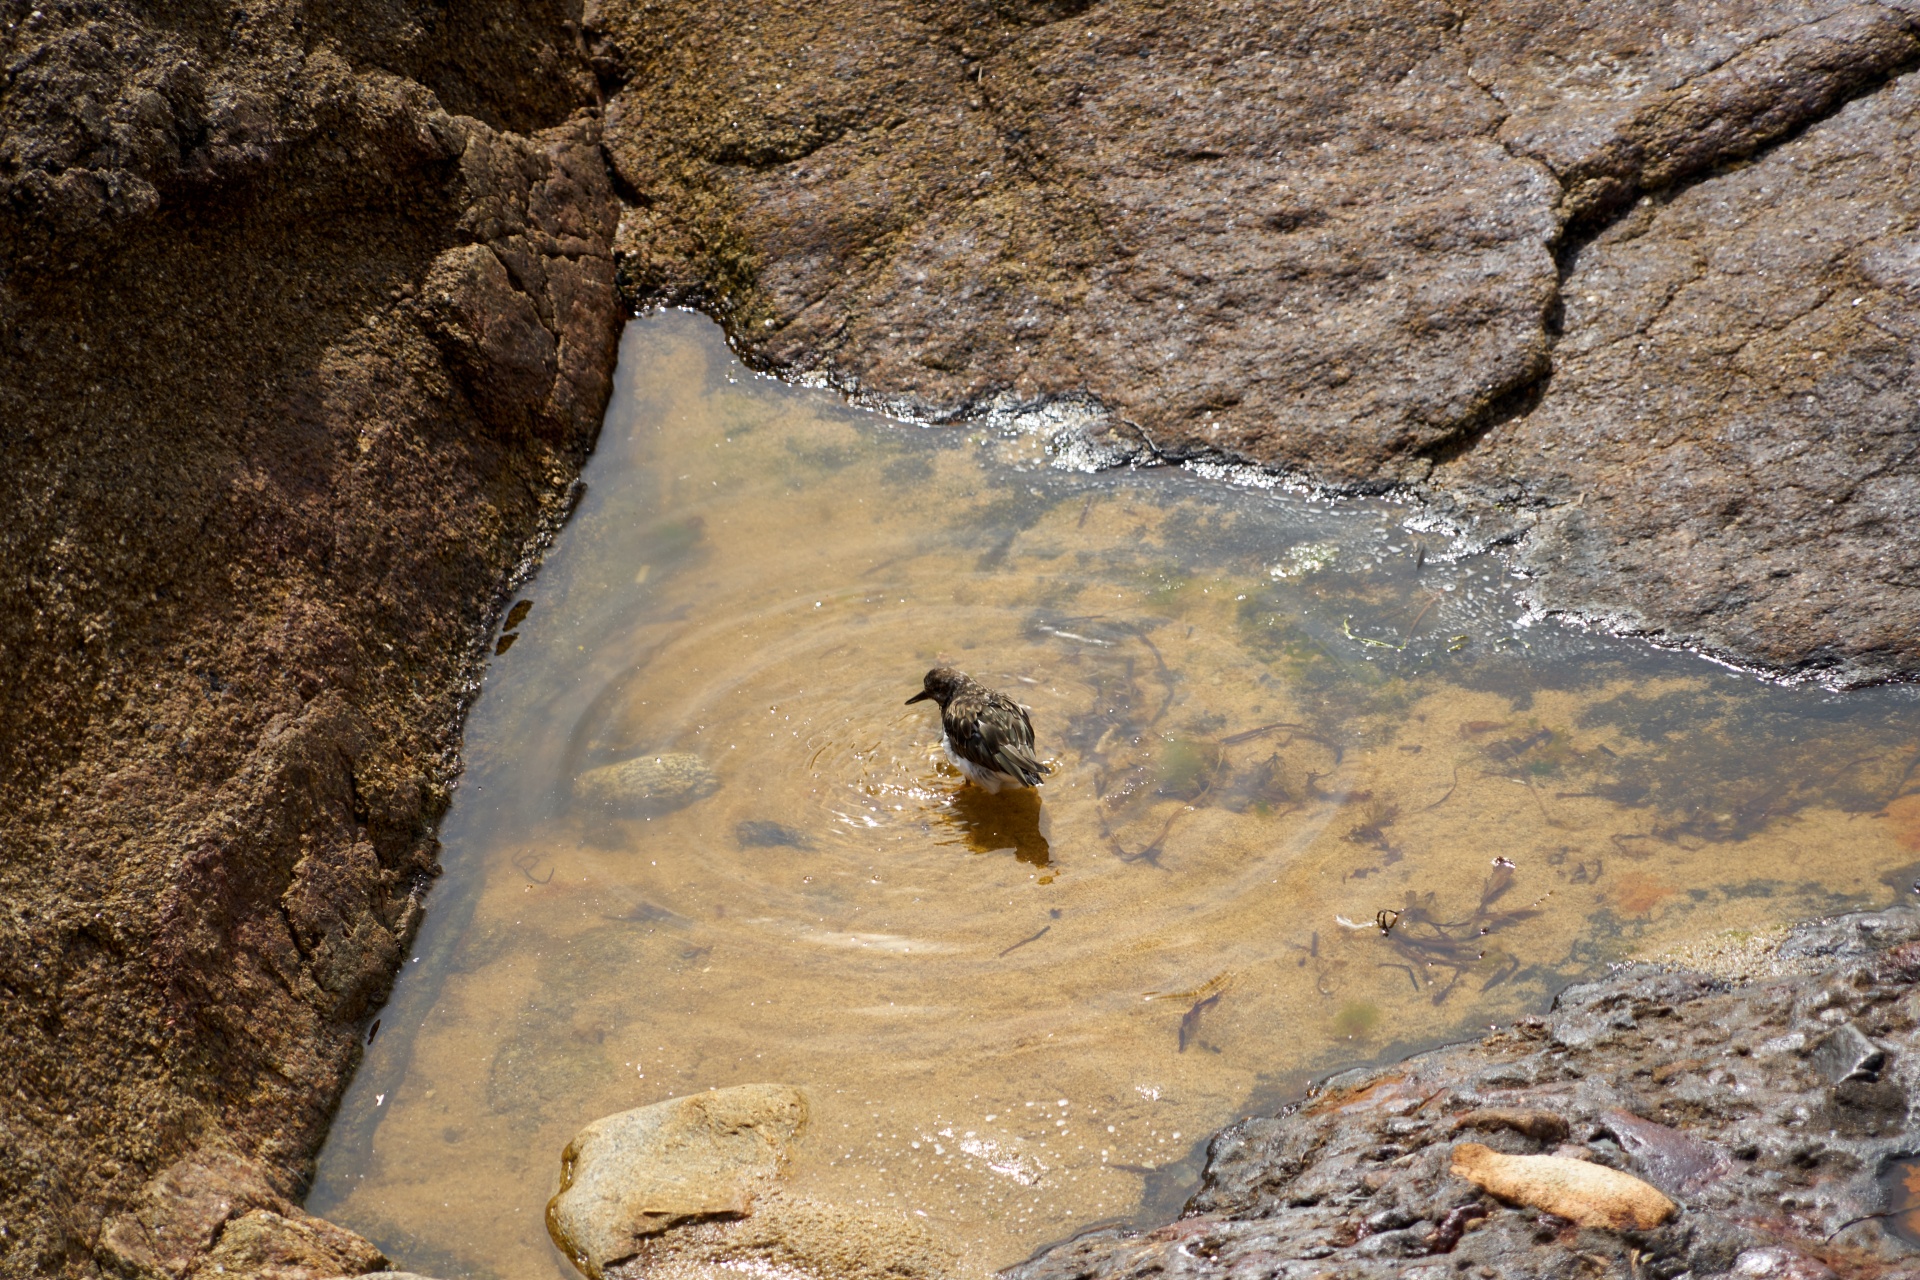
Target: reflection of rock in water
<point>648,784</point>
<point>1011,820</point>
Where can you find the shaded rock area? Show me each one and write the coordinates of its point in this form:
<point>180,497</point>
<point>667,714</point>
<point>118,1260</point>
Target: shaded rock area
<point>306,323</point>
<point>1364,243</point>
<point>1771,1111</point>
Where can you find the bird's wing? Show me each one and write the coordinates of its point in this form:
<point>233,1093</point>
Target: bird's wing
<point>1006,737</point>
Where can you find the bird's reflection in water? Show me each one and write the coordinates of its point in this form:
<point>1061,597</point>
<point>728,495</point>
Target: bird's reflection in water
<point>1011,820</point>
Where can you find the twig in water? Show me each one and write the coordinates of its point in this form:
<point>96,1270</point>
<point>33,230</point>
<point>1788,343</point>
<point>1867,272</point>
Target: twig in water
<point>526,862</point>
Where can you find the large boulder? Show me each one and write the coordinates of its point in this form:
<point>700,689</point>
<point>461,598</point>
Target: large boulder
<point>1355,242</point>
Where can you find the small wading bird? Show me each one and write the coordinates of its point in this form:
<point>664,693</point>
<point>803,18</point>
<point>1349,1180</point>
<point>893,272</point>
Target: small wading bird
<point>988,736</point>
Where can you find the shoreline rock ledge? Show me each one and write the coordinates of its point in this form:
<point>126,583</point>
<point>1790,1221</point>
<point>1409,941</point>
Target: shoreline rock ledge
<point>1630,283</point>
<point>1758,1123</point>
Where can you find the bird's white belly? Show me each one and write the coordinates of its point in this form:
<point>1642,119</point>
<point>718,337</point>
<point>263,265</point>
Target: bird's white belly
<point>991,780</point>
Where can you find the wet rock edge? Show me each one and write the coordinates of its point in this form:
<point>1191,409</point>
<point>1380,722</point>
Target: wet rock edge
<point>1748,1099</point>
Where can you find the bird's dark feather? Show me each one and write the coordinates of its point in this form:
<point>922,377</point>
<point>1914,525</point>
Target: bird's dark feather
<point>992,730</point>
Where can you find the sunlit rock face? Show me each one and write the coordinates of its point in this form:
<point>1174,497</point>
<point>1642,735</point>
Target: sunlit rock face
<point>1352,242</point>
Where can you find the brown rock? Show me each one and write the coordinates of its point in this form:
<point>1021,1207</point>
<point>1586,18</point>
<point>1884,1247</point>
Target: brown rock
<point>636,1174</point>
<point>264,1245</point>
<point>217,1213</point>
<point>1722,453</point>
<point>1541,1126</point>
<point>1279,232</point>
<point>1626,96</point>
<point>690,1186</point>
<point>258,509</point>
<point>1323,240</point>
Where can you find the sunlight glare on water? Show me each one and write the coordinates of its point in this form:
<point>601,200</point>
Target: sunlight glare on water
<point>700,840</point>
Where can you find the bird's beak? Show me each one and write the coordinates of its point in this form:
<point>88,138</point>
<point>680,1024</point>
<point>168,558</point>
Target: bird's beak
<point>921,696</point>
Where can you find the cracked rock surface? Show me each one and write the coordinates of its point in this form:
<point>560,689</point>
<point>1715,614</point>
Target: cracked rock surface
<point>1728,441</point>
<point>1365,243</point>
<point>307,315</point>
<point>1753,1105</point>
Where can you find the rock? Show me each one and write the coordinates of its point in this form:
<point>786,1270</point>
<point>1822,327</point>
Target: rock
<point>1507,255</point>
<point>636,1174</point>
<point>1769,1154</point>
<point>1673,1161</point>
<point>761,834</point>
<point>1589,1194</point>
<point>648,784</point>
<point>796,1235</point>
<point>217,1213</point>
<point>1845,1054</point>
<point>688,1187</point>
<point>271,1246</point>
<point>261,504</point>
<point>1707,340</point>
<point>1541,1126</point>
<point>1780,1264</point>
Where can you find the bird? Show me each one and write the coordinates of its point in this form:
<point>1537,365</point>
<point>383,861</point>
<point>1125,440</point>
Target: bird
<point>988,736</point>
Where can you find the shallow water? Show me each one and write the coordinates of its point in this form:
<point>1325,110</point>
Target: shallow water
<point>1276,724</point>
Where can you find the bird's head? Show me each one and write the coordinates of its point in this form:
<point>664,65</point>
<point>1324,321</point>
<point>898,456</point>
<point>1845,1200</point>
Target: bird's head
<point>941,684</point>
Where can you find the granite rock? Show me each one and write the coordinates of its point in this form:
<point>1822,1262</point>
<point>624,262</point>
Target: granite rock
<point>1584,274</point>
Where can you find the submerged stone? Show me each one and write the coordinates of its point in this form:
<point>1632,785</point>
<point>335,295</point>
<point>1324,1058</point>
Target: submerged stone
<point>635,1174</point>
<point>648,784</point>
<point>688,1187</point>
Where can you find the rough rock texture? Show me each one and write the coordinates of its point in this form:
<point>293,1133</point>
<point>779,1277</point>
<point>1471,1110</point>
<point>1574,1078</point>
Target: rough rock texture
<point>297,360</point>
<point>690,1188</point>
<point>1748,1104</point>
<point>638,1173</point>
<point>1334,238</point>
<point>307,311</point>
<point>1734,424</point>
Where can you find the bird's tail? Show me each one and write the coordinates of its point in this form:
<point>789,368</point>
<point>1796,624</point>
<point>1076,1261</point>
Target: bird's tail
<point>1022,765</point>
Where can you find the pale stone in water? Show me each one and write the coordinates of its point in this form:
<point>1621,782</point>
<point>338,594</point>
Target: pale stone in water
<point>649,784</point>
<point>1591,1195</point>
<point>795,1236</point>
<point>685,1189</point>
<point>629,1176</point>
